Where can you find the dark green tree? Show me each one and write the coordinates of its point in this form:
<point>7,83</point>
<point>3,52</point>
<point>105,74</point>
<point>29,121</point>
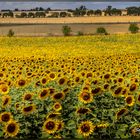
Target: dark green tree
<point>66,30</point>
<point>133,28</point>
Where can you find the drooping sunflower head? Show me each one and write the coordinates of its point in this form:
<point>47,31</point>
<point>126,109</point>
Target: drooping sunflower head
<point>82,110</point>
<point>85,97</point>
<point>138,98</point>
<point>6,100</point>
<point>44,80</point>
<point>57,106</point>
<point>44,94</point>
<point>133,87</point>
<point>62,81</point>
<point>86,128</point>
<point>53,115</point>
<point>117,92</point>
<point>28,109</point>
<point>58,96</point>
<point>50,126</point>
<point>121,113</point>
<point>11,128</point>
<point>60,125</point>
<point>27,96</point>
<point>21,82</point>
<point>5,117</point>
<point>130,100</point>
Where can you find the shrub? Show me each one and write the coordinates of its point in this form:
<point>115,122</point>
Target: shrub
<point>101,30</point>
<point>79,33</point>
<point>10,33</point>
<point>133,28</point>
<point>66,30</point>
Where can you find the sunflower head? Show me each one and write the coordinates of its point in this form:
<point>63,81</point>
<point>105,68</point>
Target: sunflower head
<point>4,89</point>
<point>44,94</point>
<point>27,96</point>
<point>86,128</point>
<point>5,117</point>
<point>11,128</point>
<point>57,106</point>
<point>85,97</point>
<point>6,100</point>
<point>59,96</point>
<point>28,109</point>
<point>130,100</point>
<point>50,126</point>
<point>82,111</point>
<point>53,115</point>
<point>21,82</point>
<point>60,125</point>
<point>121,113</point>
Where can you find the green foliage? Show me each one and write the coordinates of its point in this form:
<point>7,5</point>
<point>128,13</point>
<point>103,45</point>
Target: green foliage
<point>101,30</point>
<point>80,33</point>
<point>10,33</point>
<point>133,28</point>
<point>66,30</point>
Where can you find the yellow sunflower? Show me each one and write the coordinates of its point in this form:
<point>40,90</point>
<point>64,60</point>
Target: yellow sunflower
<point>5,117</point>
<point>11,129</point>
<point>86,128</point>
<point>4,89</point>
<point>27,96</point>
<point>57,106</point>
<point>50,126</point>
<point>85,97</point>
<point>130,100</point>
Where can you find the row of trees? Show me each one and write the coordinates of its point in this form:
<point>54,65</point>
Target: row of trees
<point>81,11</point>
<point>133,28</point>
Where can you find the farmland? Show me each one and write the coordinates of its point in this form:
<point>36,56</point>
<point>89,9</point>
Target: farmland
<point>70,87</point>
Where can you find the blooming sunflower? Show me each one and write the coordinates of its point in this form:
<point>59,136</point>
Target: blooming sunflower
<point>4,89</point>
<point>11,129</point>
<point>57,106</point>
<point>5,117</point>
<point>130,100</point>
<point>50,126</point>
<point>21,82</point>
<point>86,128</point>
<point>28,109</point>
<point>85,97</point>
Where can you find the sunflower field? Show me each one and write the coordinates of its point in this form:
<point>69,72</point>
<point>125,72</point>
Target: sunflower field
<point>70,87</point>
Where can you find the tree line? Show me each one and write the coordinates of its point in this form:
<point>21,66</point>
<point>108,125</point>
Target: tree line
<point>80,11</point>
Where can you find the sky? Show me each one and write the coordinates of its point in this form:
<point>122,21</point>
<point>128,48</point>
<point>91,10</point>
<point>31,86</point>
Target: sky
<point>65,5</point>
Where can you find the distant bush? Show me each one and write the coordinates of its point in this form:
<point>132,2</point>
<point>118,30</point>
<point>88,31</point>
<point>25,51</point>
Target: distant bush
<point>101,30</point>
<point>66,30</point>
<point>133,28</point>
<point>80,33</point>
<point>10,33</point>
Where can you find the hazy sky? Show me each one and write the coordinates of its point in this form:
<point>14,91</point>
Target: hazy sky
<point>65,5</point>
